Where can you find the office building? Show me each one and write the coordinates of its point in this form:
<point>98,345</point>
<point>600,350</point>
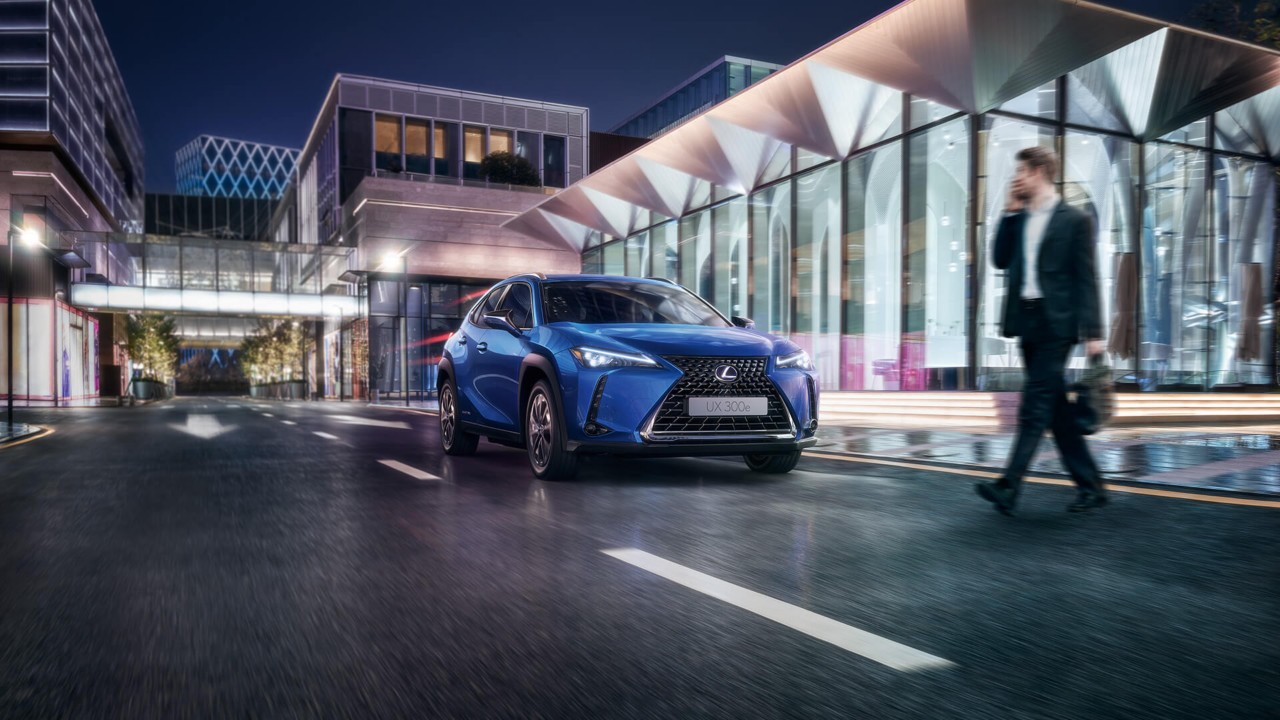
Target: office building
<point>210,166</point>
<point>71,160</point>
<point>714,83</point>
<point>393,171</point>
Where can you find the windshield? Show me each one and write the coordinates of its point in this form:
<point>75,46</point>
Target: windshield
<point>615,302</point>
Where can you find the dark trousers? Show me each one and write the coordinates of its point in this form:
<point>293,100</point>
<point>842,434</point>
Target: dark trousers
<point>1045,406</point>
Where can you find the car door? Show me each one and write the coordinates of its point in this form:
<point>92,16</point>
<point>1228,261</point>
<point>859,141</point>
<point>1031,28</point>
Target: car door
<point>499,356</point>
<point>473,345</point>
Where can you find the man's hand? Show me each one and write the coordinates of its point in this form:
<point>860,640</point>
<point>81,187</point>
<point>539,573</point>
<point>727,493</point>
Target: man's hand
<point>1095,347</point>
<point>1015,203</point>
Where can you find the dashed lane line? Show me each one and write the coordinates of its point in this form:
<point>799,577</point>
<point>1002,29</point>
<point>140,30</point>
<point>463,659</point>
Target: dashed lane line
<point>288,422</point>
<point>409,470</point>
<point>324,435</point>
<point>857,641</point>
<point>1174,494</point>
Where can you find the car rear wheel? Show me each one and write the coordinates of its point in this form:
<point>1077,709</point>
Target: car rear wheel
<point>453,439</point>
<point>773,464</point>
<point>544,434</point>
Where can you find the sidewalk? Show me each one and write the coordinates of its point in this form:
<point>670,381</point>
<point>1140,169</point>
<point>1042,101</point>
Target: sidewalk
<point>17,431</point>
<point>1240,459</point>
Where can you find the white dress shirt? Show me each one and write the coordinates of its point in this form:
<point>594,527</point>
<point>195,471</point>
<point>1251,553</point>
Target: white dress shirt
<point>1033,234</point>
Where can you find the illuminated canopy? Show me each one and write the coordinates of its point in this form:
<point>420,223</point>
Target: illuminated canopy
<point>967,55</point>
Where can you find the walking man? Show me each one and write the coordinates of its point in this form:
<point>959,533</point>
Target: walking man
<point>1047,247</point>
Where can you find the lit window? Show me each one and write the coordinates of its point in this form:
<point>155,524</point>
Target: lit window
<point>472,144</point>
<point>499,141</point>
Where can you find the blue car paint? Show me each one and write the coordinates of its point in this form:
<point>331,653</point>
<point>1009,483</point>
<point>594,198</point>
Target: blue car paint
<point>489,382</point>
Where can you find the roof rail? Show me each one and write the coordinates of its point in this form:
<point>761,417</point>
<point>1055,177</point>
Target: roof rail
<point>540,276</point>
<point>662,279</point>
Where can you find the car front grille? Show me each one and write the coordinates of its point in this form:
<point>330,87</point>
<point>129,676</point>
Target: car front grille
<point>699,380</point>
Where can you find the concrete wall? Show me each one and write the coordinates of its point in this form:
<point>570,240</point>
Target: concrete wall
<point>449,230</point>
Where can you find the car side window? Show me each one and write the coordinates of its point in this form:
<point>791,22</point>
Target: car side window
<point>487,305</point>
<point>519,302</point>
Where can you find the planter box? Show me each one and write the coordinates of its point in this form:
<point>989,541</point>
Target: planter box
<point>148,390</point>
<point>289,390</point>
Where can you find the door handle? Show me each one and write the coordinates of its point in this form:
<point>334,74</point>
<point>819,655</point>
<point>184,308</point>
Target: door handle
<point>481,347</point>
<point>462,339</point>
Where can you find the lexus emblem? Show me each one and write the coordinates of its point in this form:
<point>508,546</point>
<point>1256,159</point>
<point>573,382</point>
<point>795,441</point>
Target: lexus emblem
<point>727,373</point>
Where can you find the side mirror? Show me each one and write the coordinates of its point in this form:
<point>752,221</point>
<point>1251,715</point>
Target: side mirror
<point>501,321</point>
<point>742,322</point>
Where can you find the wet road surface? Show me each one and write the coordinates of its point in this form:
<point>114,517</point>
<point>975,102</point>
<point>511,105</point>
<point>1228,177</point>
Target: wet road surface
<point>236,558</point>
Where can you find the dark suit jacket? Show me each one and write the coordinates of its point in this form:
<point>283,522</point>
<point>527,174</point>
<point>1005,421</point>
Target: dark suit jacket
<point>1065,269</point>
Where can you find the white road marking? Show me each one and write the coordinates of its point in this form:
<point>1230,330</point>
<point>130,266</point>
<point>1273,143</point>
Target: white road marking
<point>288,422</point>
<point>267,415</point>
<point>202,426</point>
<point>860,642</point>
<point>354,420</point>
<point>409,470</point>
<point>325,435</point>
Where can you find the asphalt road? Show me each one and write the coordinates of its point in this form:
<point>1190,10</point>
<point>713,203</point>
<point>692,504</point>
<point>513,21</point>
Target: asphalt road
<point>233,558</point>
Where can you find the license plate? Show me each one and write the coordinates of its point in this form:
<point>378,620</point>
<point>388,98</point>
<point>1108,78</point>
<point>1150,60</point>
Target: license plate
<point>728,406</point>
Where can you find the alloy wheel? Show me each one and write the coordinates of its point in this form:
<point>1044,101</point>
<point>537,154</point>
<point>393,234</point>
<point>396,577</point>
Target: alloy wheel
<point>448,415</point>
<point>540,430</point>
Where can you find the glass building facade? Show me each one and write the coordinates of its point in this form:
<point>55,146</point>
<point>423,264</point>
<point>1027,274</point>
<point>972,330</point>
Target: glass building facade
<point>227,218</point>
<point>58,76</point>
<point>222,167</point>
<point>714,83</point>
<point>867,241</point>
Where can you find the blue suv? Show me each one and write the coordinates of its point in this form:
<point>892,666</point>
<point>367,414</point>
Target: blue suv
<point>574,365</point>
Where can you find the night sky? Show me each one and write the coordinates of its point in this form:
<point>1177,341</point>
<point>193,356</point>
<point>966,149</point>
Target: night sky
<point>258,70</point>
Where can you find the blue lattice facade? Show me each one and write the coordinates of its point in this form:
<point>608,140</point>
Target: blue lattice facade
<point>223,167</point>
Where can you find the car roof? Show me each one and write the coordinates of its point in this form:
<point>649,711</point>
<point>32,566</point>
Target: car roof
<point>606,278</point>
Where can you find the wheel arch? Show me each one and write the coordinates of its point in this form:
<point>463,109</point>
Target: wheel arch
<point>540,367</point>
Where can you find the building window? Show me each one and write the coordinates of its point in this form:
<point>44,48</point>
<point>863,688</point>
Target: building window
<point>527,147</point>
<point>500,141</point>
<point>387,143</point>
<point>553,167</point>
<point>444,148</point>
<point>871,339</point>
<point>472,151</point>
<point>416,151</point>
<point>935,326</point>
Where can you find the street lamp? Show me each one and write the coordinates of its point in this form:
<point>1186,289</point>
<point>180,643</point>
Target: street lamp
<point>29,236</point>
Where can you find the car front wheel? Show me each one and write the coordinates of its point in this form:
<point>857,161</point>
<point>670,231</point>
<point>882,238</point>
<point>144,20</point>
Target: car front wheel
<point>453,439</point>
<point>544,435</point>
<point>773,464</point>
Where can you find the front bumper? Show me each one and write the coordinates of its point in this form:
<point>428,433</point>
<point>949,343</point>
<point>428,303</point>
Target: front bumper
<point>701,448</point>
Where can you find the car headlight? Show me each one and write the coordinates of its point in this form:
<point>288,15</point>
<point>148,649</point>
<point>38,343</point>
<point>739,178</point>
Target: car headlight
<point>596,358</point>
<point>798,360</point>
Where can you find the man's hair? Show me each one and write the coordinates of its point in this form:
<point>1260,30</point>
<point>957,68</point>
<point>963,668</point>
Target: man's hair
<point>1038,157</point>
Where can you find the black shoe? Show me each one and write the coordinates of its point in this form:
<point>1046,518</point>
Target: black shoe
<point>998,495</point>
<point>1086,501</point>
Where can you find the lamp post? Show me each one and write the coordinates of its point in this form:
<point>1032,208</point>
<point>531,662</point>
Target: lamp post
<point>28,235</point>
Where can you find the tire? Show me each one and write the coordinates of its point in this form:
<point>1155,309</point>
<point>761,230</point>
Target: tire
<point>773,464</point>
<point>544,435</point>
<point>453,439</point>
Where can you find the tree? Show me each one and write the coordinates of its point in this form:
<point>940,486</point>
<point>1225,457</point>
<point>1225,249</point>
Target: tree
<point>1260,25</point>
<point>153,344</point>
<point>274,352</point>
<point>509,168</point>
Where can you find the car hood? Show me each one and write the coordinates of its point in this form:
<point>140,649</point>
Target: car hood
<point>682,339</point>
